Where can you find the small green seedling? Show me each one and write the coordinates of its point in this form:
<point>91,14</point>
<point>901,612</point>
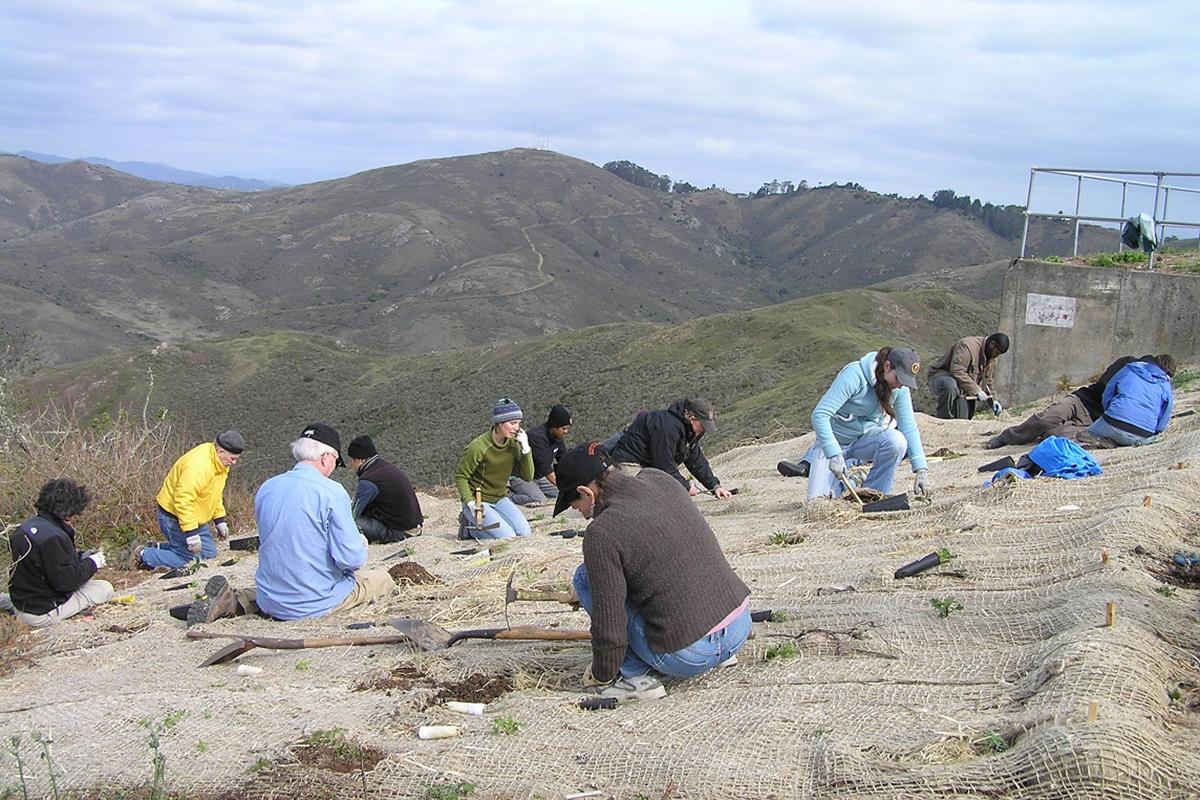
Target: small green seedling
<point>780,538</point>
<point>505,725</point>
<point>201,746</point>
<point>449,791</point>
<point>945,556</point>
<point>259,765</point>
<point>821,733</point>
<point>303,664</point>
<point>992,742</point>
<point>780,616</point>
<point>1166,590</point>
<point>781,651</point>
<point>945,606</point>
<point>1175,695</point>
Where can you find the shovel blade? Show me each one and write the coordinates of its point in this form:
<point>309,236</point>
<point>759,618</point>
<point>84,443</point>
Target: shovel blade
<point>425,635</point>
<point>229,652</point>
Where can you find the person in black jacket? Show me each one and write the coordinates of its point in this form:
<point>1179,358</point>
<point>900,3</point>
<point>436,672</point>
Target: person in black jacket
<point>386,508</point>
<point>51,580</point>
<point>1068,416</point>
<point>665,439</point>
<point>548,447</point>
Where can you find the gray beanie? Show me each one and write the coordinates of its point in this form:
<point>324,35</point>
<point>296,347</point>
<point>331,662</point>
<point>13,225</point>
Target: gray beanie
<point>505,410</point>
<point>231,442</point>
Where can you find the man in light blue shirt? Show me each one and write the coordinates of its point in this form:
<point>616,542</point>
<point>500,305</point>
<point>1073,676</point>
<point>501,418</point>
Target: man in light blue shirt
<point>310,551</point>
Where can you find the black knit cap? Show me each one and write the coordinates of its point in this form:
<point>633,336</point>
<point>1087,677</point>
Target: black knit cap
<point>559,417</point>
<point>578,468</point>
<point>361,447</point>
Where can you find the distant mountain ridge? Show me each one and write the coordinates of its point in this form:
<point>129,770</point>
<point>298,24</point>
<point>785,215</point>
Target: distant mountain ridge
<point>435,255</point>
<point>164,173</point>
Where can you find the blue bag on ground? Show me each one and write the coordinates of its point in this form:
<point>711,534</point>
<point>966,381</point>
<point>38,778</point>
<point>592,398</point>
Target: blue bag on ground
<point>1062,458</point>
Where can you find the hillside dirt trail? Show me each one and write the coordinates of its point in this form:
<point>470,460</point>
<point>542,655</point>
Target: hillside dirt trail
<point>860,691</point>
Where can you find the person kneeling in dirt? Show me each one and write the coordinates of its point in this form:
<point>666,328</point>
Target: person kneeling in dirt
<point>386,508</point>
<point>546,442</point>
<point>50,579</point>
<point>962,377</point>
<point>670,437</point>
<point>1137,404</point>
<point>310,553</point>
<point>850,424</point>
<point>660,593</point>
<point>486,464</point>
<point>189,500</point>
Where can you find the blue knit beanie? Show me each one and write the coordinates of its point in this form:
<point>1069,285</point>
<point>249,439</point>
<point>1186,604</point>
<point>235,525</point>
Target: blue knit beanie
<point>505,410</point>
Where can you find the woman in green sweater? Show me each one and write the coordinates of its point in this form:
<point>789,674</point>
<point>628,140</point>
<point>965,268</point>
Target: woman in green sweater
<point>486,465</point>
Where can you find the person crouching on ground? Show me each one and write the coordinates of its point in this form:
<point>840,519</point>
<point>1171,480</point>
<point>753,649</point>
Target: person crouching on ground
<point>190,505</point>
<point>486,464</point>
<point>310,553</point>
<point>660,593</point>
<point>50,579</point>
<point>548,447</point>
<point>1137,403</point>
<point>386,508</point>
<point>852,424</point>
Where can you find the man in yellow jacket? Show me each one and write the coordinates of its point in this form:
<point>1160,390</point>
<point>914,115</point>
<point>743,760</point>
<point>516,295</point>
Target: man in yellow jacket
<point>189,500</point>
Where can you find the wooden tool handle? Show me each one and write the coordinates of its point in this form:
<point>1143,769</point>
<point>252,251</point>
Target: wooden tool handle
<point>272,643</point>
<point>548,597</point>
<point>548,634</point>
<point>478,507</point>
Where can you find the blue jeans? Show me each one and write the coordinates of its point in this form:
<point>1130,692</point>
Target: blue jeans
<point>885,448</point>
<point>1103,427</point>
<point>512,521</point>
<point>697,658</point>
<point>174,552</point>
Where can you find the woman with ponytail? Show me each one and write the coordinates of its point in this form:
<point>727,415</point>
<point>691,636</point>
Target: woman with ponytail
<point>853,422</point>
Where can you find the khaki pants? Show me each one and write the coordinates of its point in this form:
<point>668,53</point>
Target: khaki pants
<point>369,584</point>
<point>92,593</point>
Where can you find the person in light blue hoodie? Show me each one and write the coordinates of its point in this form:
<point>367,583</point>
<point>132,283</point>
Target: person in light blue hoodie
<point>853,423</point>
<point>1137,402</point>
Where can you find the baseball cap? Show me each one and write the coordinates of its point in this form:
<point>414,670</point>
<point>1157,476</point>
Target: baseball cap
<point>703,409</point>
<point>577,468</point>
<point>325,435</point>
<point>907,364</point>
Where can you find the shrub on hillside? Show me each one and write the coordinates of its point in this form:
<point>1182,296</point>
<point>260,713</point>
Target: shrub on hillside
<point>121,460</point>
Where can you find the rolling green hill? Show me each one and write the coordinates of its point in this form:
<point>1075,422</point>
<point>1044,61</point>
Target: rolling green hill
<point>764,369</point>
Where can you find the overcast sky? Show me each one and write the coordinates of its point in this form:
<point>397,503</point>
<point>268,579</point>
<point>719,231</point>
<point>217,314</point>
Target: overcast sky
<point>905,97</point>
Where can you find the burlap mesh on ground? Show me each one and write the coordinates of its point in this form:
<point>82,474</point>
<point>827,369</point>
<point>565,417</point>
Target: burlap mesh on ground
<point>883,698</point>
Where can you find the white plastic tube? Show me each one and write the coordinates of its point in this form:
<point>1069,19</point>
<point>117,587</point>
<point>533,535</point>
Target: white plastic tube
<point>474,709</point>
<point>437,731</point>
<point>246,669</point>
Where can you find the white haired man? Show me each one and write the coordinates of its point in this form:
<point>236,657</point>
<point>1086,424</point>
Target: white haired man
<point>310,552</point>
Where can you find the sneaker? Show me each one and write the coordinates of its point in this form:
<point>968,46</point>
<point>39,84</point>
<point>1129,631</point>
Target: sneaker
<point>994,443</point>
<point>729,662</point>
<point>220,601</point>
<point>639,687</point>
<point>789,470</point>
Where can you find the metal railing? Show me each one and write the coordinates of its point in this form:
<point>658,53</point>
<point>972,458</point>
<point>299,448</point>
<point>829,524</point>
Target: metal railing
<point>1162,191</point>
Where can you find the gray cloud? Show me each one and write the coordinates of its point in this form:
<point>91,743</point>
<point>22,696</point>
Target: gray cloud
<point>906,97</point>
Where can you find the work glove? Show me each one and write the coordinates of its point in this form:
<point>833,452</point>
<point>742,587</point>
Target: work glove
<point>222,530</point>
<point>997,409</point>
<point>982,396</point>
<point>193,543</point>
<point>921,483</point>
<point>98,559</point>
<point>523,440</point>
<point>837,465</point>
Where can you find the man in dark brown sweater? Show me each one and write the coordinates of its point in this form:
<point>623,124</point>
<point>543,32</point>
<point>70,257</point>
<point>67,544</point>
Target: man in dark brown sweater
<point>661,595</point>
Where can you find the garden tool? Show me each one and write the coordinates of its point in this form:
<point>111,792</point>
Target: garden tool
<point>244,644</point>
<point>469,529</point>
<point>428,636</point>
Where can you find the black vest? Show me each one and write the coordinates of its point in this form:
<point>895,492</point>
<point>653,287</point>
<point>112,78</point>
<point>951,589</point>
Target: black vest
<point>396,504</point>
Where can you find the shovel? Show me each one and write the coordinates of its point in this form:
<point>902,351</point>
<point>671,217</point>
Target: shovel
<point>428,636</point>
<point>244,644</point>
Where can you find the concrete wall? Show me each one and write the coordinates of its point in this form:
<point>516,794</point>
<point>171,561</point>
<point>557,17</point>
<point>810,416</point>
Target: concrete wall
<point>1080,319</point>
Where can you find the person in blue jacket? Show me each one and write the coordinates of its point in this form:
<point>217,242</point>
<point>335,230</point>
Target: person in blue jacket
<point>1137,402</point>
<point>853,424</point>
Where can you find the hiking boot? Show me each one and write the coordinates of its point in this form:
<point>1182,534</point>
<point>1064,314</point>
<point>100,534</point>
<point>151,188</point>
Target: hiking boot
<point>994,443</point>
<point>639,687</point>
<point>180,612</point>
<point>220,601</point>
<point>789,470</point>
<point>130,556</point>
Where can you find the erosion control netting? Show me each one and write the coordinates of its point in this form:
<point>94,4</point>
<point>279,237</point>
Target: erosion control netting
<point>878,696</point>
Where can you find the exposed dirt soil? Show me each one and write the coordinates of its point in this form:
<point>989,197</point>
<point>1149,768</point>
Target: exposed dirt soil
<point>478,687</point>
<point>403,677</point>
<point>946,452</point>
<point>344,755</point>
<point>410,573</point>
